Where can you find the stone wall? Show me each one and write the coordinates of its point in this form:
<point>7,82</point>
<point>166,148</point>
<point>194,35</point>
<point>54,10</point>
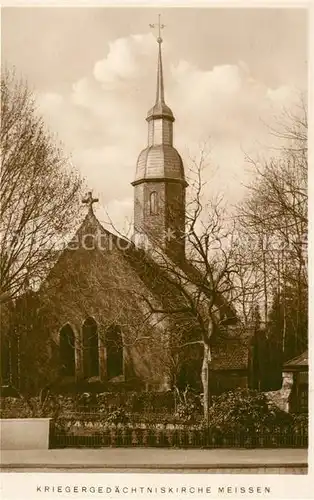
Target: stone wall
<point>281,398</point>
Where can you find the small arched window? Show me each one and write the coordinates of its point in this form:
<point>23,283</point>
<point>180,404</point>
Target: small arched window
<point>90,348</point>
<point>153,203</point>
<point>67,351</point>
<point>114,348</point>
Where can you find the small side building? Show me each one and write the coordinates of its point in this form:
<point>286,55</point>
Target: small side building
<point>297,371</point>
<point>294,392</point>
<point>230,365</point>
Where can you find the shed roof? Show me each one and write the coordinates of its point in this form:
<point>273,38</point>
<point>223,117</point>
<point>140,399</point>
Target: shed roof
<point>298,363</point>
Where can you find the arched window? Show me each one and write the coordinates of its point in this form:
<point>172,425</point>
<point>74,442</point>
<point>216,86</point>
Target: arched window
<point>91,350</point>
<point>67,351</point>
<point>153,203</point>
<point>114,347</point>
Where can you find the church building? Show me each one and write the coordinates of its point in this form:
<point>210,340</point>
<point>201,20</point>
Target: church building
<point>90,327</point>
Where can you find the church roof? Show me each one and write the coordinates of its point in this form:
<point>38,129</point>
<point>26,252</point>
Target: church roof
<point>159,161</point>
<point>146,268</point>
<point>160,110</point>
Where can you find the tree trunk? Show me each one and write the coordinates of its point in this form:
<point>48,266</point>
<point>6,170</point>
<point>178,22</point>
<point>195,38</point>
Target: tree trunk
<point>205,381</point>
<point>265,275</point>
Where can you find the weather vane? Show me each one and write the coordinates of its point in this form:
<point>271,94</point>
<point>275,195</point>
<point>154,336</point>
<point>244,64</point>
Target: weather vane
<point>160,27</point>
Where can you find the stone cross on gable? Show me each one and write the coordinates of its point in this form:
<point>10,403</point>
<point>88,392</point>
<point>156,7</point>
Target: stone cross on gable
<point>89,200</point>
<point>160,27</point>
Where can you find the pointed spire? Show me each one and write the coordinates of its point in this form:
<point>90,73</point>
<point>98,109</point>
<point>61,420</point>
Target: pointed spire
<point>160,109</point>
<point>160,97</point>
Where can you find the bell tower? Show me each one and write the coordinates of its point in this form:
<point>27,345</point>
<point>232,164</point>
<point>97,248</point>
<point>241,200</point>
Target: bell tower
<point>159,185</point>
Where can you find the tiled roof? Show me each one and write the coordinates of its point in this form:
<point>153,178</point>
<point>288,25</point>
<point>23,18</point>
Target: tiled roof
<point>229,355</point>
<point>160,109</point>
<point>159,161</point>
<point>151,274</point>
<point>298,362</point>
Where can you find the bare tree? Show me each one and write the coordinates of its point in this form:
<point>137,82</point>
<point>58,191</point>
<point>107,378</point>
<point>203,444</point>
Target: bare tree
<point>29,356</point>
<point>274,219</point>
<point>39,191</point>
<point>197,295</point>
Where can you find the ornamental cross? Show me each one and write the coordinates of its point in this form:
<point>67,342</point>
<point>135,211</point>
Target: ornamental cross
<point>160,27</point>
<point>89,200</point>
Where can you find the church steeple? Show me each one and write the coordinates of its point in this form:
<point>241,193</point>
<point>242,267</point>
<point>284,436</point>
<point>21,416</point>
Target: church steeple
<point>160,109</point>
<point>159,185</point>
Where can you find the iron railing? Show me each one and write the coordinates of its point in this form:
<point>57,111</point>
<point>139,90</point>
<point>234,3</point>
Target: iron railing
<point>171,436</point>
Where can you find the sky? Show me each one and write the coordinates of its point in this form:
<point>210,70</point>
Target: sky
<point>229,74</point>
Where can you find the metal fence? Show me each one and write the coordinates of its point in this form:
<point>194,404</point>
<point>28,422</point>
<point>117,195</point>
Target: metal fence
<point>178,437</point>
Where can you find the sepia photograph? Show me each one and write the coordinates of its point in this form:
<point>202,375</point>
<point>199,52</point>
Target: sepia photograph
<point>154,245</point>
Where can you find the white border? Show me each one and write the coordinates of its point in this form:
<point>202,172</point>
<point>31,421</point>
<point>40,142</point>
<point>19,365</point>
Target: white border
<point>22,486</point>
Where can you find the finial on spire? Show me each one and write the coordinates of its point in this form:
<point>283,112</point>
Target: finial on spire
<point>160,27</point>
<point>89,200</point>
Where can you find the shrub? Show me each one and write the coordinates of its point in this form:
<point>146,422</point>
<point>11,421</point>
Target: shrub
<point>246,410</point>
<point>86,400</point>
<point>152,401</point>
<point>186,411</point>
<point>116,416</point>
<point>189,405</point>
<point>44,405</point>
<point>300,423</point>
<point>67,404</point>
<point>137,402</point>
<point>89,402</point>
<point>15,408</point>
